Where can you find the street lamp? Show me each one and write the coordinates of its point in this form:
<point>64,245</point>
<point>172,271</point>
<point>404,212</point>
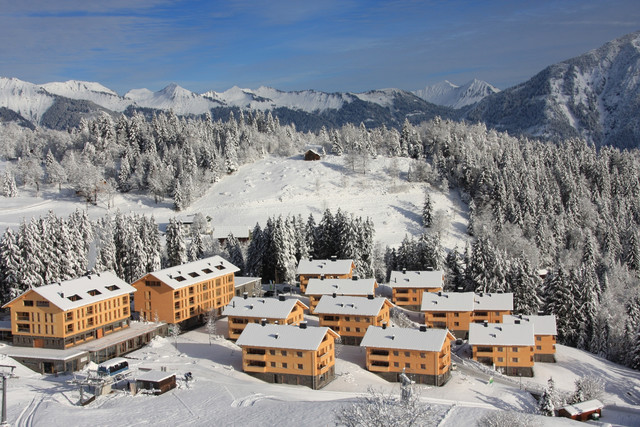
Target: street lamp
<point>5,376</point>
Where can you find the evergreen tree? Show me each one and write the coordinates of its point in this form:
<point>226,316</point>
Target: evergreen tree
<point>10,266</point>
<point>176,248</point>
<point>427,211</point>
<point>547,402</point>
<point>9,187</point>
<point>255,252</point>
<point>29,240</point>
<point>236,257</point>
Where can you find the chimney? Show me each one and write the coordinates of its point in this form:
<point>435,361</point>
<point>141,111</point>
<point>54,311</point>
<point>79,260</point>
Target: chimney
<point>263,322</point>
<point>393,337</point>
<point>481,294</point>
<point>245,295</point>
<point>404,271</point>
<point>233,304</point>
<point>276,335</point>
<point>334,258</point>
<point>384,325</point>
<point>423,328</point>
<point>303,325</point>
<point>460,289</point>
<point>439,293</point>
<point>486,323</point>
<point>429,268</point>
<point>334,295</point>
<point>499,328</point>
<point>281,298</point>
<point>310,258</point>
<point>370,296</point>
<point>517,321</point>
<point>250,306</point>
<point>322,277</point>
<point>275,322</point>
<point>354,277</point>
<point>519,316</point>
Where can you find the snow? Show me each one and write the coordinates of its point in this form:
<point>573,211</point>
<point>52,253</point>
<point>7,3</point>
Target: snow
<point>91,91</point>
<point>172,97</point>
<point>277,186</point>
<point>28,99</point>
<point>454,96</point>
<point>221,394</point>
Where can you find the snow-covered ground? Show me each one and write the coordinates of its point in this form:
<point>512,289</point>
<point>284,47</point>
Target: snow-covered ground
<point>280,186</point>
<point>220,394</point>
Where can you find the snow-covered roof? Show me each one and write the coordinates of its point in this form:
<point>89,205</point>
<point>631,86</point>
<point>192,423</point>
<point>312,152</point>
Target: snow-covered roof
<point>582,407</point>
<point>542,325</point>
<point>271,308</point>
<point>154,376</point>
<point>223,231</point>
<point>184,275</point>
<point>324,266</point>
<point>243,280</point>
<point>283,336</point>
<point>417,279</point>
<point>501,334</point>
<point>85,290</point>
<point>350,305</point>
<point>405,338</point>
<point>493,301</point>
<point>341,286</point>
<point>447,301</point>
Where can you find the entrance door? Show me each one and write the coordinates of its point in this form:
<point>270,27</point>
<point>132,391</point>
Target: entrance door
<point>99,333</point>
<point>38,342</point>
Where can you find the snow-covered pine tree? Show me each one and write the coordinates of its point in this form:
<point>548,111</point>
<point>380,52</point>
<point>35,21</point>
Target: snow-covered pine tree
<point>255,252</point>
<point>9,187</point>
<point>30,242</point>
<point>548,400</point>
<point>176,248</point>
<point>427,211</point>
<point>10,266</point>
<point>236,256</point>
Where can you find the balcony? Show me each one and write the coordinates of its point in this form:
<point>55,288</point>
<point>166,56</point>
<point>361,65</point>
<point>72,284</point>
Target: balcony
<point>379,364</point>
<point>379,352</point>
<point>255,358</point>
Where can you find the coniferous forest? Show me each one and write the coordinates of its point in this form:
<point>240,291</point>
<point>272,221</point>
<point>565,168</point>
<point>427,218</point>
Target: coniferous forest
<point>566,209</point>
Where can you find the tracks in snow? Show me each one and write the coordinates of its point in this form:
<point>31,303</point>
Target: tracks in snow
<point>27,416</point>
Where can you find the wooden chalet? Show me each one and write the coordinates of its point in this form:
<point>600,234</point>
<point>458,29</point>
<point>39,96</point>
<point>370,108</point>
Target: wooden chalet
<point>351,316</point>
<point>243,311</point>
<point>287,354</point>
<point>448,310</point>
<point>491,306</point>
<point>155,382</point>
<point>583,411</point>
<point>409,286</point>
<point>545,332</point>
<point>355,287</point>
<point>65,314</point>
<point>423,354</point>
<point>184,293</point>
<point>323,268</point>
<point>509,348</point>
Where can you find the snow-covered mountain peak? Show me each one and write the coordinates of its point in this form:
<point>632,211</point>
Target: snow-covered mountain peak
<point>451,95</point>
<point>72,87</point>
<point>135,94</point>
<point>28,99</point>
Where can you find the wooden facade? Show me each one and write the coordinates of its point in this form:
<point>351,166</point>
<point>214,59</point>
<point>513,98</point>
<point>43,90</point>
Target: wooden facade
<point>323,269</point>
<point>183,294</point>
<point>492,307</point>
<point>448,310</point>
<point>583,411</point>
<point>155,382</point>
<point>243,311</point>
<point>407,287</point>
<point>545,332</point>
<point>351,316</point>
<point>509,348</point>
<point>423,354</point>
<point>298,355</point>
<point>69,313</point>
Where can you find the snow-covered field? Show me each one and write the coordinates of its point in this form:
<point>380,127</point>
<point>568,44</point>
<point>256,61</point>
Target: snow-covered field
<point>220,394</point>
<point>280,186</point>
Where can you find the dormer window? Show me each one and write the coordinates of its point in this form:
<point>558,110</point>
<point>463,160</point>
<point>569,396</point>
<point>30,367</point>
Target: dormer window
<point>180,279</point>
<point>220,267</point>
<point>207,271</point>
<point>94,292</point>
<point>113,287</point>
<point>194,274</point>
<point>75,297</point>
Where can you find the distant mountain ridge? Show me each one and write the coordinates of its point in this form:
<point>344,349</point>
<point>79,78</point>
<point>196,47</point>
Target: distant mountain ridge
<point>595,96</point>
<point>450,95</point>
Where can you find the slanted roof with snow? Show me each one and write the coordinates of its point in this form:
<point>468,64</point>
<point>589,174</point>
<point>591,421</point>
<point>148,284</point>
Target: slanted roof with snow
<point>324,266</point>
<point>270,308</point>
<point>417,279</point>
<point>582,407</point>
<point>542,325</point>
<point>405,338</point>
<point>239,281</point>
<point>341,287</point>
<point>184,275</point>
<point>447,301</point>
<point>501,334</point>
<point>283,336</point>
<point>223,231</point>
<point>492,301</point>
<point>85,290</point>
<point>154,376</point>
<point>348,305</point>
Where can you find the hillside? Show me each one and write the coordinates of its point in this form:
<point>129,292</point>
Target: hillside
<point>595,96</point>
<point>450,95</point>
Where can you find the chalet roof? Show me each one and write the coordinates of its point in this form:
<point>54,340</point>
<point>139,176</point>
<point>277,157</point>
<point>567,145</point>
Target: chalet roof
<point>417,279</point>
<point>154,376</point>
<point>341,287</point>
<point>185,275</point>
<point>493,301</point>
<point>447,301</point>
<point>501,334</point>
<point>270,308</point>
<point>283,336</point>
<point>542,325</point>
<point>223,231</point>
<point>582,407</point>
<point>324,266</point>
<point>82,291</point>
<point>358,306</point>
<point>405,338</point>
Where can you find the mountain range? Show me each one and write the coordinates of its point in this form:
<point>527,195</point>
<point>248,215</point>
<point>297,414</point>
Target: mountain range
<point>595,96</point>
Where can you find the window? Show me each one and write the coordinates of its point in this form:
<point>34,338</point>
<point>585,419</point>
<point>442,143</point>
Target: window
<point>514,359</point>
<point>70,327</point>
<point>180,279</point>
<point>113,287</point>
<point>407,365</point>
<point>538,347</point>
<point>396,364</point>
<point>300,366</point>
<point>24,316</point>
<point>272,352</point>
<point>42,303</point>
<point>273,364</point>
<point>283,352</point>
<point>406,354</point>
<point>75,297</point>
<point>28,303</point>
<point>423,355</point>
<point>69,316</point>
<point>299,354</point>
<point>395,353</point>
<point>347,319</point>
<point>207,271</point>
<point>94,292</point>
<point>23,327</point>
<point>456,314</point>
<point>538,338</point>
<point>348,329</point>
<point>284,364</point>
<point>176,294</point>
<point>125,299</point>
<point>500,349</point>
<point>515,349</point>
<point>423,366</point>
<point>500,359</point>
<point>194,274</point>
<point>191,290</point>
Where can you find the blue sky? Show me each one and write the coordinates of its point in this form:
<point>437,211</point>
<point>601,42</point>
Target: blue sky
<point>344,45</point>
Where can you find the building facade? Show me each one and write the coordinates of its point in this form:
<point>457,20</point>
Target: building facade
<point>286,354</point>
<point>423,354</point>
<point>491,306</point>
<point>407,287</point>
<point>448,310</point>
<point>544,331</point>
<point>509,348</point>
<point>323,268</point>
<point>243,311</point>
<point>69,313</point>
<point>355,287</point>
<point>185,293</point>
<point>351,316</point>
